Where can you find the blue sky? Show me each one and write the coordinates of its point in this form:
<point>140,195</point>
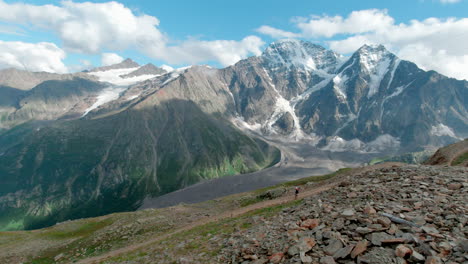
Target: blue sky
<point>219,33</point>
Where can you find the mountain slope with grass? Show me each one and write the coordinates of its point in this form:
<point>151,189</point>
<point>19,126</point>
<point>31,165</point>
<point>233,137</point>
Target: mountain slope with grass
<point>62,170</point>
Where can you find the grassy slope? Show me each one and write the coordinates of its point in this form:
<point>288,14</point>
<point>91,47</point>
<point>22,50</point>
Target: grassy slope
<point>88,237</point>
<point>84,168</point>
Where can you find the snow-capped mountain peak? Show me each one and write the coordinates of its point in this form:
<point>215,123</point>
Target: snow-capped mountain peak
<point>373,56</point>
<point>300,54</point>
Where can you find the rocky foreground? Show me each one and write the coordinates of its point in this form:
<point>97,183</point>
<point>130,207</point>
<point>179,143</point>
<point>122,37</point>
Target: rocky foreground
<point>408,214</point>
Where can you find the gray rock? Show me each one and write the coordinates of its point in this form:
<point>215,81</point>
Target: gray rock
<point>377,238</point>
<point>344,252</point>
<point>327,260</point>
<point>333,246</point>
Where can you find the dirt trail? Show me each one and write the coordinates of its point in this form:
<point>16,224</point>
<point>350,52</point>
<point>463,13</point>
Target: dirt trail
<point>238,212</point>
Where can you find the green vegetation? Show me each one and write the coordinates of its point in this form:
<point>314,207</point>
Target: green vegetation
<point>460,159</point>
<point>82,230</point>
<point>410,158</point>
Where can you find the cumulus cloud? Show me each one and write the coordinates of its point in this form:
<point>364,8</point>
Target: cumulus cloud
<point>276,33</point>
<point>357,22</point>
<point>433,43</point>
<point>92,27</point>
<point>226,52</point>
<point>110,58</point>
<point>41,56</point>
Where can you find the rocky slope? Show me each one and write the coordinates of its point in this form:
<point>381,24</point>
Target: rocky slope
<point>403,214</point>
<point>453,154</point>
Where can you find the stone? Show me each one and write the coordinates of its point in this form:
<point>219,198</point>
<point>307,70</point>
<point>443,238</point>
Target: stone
<point>59,257</point>
<point>305,259</point>
<point>377,238</point>
<point>403,251</point>
<point>430,230</point>
<point>384,221</point>
<point>369,210</point>
<point>348,212</point>
<point>416,257</point>
<point>454,186</point>
<point>360,248</point>
<point>463,245</point>
<point>333,246</point>
<point>276,258</point>
<point>344,252</point>
<point>303,246</point>
<point>398,240</point>
<point>433,260</point>
<point>327,260</point>
<point>338,224</point>
<point>310,223</point>
<point>363,230</point>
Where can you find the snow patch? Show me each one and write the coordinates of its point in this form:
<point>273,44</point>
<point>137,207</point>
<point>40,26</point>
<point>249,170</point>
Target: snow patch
<point>240,123</point>
<point>107,95</point>
<point>166,68</point>
<point>283,106</point>
<point>378,74</point>
<point>442,130</point>
<point>113,76</point>
<point>339,86</point>
<point>381,143</point>
<point>132,97</point>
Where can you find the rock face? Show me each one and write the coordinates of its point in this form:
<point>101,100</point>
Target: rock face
<point>418,218</point>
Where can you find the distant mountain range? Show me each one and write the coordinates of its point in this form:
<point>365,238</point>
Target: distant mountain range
<point>95,142</point>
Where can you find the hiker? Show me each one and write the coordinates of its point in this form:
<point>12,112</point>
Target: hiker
<point>296,192</point>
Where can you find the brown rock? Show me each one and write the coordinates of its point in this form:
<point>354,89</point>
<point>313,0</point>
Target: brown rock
<point>433,260</point>
<point>310,223</point>
<point>360,247</point>
<point>384,221</point>
<point>276,258</point>
<point>398,240</point>
<point>250,257</point>
<point>403,251</point>
<point>369,210</point>
<point>454,186</point>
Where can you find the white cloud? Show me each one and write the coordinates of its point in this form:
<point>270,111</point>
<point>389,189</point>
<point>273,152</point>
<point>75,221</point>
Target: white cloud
<point>92,27</point>
<point>226,52</point>
<point>433,43</point>
<point>110,58</point>
<point>276,33</point>
<point>357,22</point>
<point>41,56</point>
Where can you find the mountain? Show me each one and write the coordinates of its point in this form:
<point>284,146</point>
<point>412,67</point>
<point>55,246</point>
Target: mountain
<point>101,163</point>
<point>25,80</point>
<point>125,64</point>
<point>129,132</point>
<point>147,69</point>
